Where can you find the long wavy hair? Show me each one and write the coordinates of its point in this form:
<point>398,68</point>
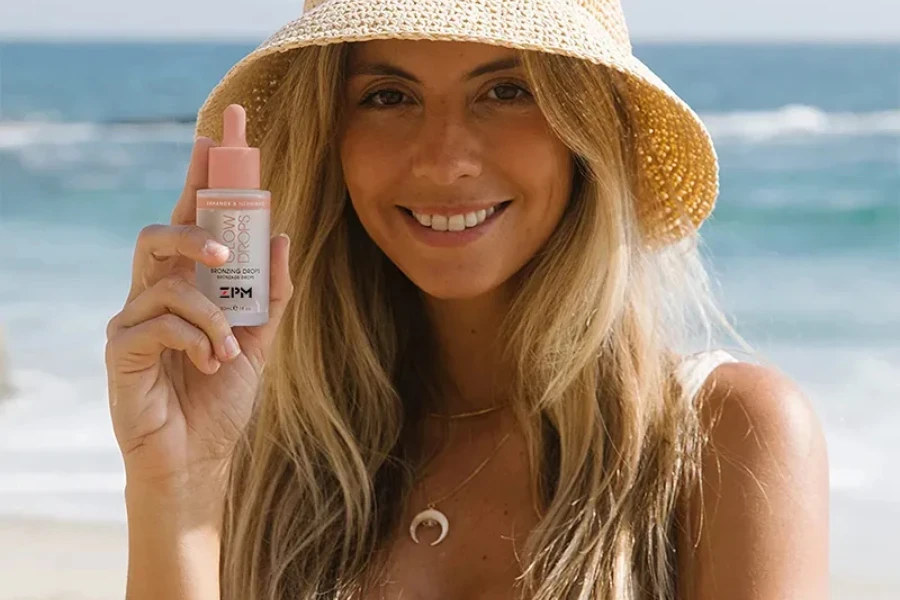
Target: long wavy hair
<point>318,483</point>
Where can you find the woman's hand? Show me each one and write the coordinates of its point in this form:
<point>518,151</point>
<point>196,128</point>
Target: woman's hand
<point>181,380</point>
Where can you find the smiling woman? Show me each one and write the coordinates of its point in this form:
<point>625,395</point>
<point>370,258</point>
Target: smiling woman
<point>460,142</point>
<point>494,275</point>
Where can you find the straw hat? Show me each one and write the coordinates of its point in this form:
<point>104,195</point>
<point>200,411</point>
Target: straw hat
<point>678,180</point>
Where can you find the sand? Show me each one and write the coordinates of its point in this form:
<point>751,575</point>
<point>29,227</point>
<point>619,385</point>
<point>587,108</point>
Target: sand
<point>59,560</point>
<point>56,560</point>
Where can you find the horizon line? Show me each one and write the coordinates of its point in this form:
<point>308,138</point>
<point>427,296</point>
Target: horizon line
<point>258,38</point>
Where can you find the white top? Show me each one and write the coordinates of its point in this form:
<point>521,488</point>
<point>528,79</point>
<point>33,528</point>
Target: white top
<point>694,369</point>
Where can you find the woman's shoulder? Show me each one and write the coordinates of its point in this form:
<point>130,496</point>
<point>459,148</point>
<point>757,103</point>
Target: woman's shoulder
<point>756,391</point>
<point>766,469</point>
<point>739,394</point>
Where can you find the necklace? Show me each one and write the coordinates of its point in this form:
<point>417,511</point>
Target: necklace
<point>475,413</point>
<point>431,516</point>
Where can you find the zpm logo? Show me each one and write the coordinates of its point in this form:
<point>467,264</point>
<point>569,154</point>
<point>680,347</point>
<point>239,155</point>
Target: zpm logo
<point>235,292</point>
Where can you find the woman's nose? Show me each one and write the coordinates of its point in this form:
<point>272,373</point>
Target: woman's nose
<point>447,149</point>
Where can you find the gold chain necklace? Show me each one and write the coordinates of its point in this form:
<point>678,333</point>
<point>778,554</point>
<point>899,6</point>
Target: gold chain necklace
<point>431,516</point>
<point>474,413</point>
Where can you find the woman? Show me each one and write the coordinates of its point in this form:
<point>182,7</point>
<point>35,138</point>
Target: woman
<point>472,382</point>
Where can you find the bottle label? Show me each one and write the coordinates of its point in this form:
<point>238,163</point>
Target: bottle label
<point>233,203</point>
<point>240,285</point>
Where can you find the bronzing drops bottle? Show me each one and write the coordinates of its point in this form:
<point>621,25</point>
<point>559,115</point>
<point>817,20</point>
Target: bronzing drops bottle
<point>236,212</point>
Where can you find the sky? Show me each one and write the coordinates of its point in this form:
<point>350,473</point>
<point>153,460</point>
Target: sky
<point>648,20</point>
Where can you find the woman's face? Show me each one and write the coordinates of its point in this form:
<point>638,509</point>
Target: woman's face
<point>450,165</point>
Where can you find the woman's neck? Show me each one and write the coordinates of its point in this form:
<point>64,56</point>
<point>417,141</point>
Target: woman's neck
<point>467,333</point>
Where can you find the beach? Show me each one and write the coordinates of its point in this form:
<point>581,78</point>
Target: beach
<point>42,559</point>
<point>802,250</point>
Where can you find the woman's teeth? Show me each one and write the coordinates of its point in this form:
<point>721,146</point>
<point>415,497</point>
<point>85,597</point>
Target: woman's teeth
<point>454,222</point>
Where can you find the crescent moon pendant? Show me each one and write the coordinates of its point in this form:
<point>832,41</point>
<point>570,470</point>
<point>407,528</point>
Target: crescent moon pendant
<point>429,518</point>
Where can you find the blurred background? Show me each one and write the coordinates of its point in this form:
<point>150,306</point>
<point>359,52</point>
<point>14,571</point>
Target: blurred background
<point>97,104</point>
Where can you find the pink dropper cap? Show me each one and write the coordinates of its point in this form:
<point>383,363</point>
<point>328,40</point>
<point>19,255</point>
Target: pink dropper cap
<point>233,164</point>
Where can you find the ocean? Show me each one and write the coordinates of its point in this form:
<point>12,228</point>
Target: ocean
<point>804,244</point>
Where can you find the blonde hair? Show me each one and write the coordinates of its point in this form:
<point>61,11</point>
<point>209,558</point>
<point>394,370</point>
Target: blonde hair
<point>318,483</point>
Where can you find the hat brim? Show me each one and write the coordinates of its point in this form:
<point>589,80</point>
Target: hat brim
<point>679,172</point>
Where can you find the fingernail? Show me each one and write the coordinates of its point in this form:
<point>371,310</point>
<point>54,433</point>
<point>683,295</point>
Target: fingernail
<point>287,237</point>
<point>231,347</point>
<point>215,364</point>
<point>214,248</point>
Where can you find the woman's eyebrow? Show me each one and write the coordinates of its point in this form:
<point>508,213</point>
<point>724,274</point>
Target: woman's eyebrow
<point>384,68</point>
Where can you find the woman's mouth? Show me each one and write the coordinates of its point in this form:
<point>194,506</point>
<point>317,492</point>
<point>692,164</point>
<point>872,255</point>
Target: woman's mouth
<point>457,222</point>
<point>448,230</point>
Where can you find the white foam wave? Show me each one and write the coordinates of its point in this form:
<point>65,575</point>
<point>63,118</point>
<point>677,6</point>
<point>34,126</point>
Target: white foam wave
<point>798,121</point>
<point>16,135</point>
<point>51,413</point>
<point>58,453</point>
<point>792,120</point>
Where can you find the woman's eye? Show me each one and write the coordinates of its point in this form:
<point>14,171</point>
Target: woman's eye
<point>504,92</point>
<point>506,95</point>
<point>382,94</point>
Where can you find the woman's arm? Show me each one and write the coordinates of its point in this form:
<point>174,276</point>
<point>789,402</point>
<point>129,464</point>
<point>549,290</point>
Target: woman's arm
<point>763,525</point>
<point>173,544</point>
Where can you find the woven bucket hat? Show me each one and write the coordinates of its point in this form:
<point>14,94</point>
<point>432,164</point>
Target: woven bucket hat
<point>678,173</point>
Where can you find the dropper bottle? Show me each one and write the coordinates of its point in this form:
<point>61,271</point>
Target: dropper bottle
<point>236,212</point>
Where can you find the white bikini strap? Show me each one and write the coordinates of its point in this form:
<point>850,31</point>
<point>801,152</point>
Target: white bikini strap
<point>695,369</point>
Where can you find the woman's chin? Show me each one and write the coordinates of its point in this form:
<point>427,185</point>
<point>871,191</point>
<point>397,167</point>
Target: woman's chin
<point>455,289</point>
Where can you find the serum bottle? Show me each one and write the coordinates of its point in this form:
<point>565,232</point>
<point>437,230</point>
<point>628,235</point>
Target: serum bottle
<point>236,212</point>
